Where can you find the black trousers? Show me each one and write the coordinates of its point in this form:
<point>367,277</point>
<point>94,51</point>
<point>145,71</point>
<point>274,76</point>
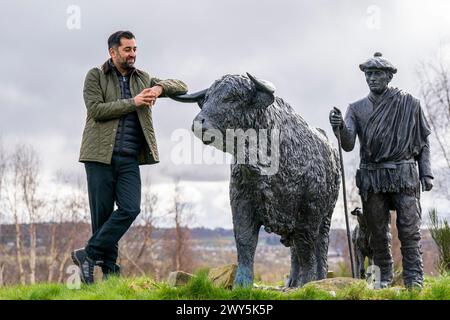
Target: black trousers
<point>376,212</point>
<point>118,183</point>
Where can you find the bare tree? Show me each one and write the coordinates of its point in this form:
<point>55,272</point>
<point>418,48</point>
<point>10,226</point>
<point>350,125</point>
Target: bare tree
<point>12,199</point>
<point>2,268</point>
<point>2,171</point>
<point>434,80</point>
<point>440,232</point>
<point>27,162</point>
<point>138,245</point>
<point>2,176</point>
<point>22,203</point>
<point>72,216</point>
<point>53,254</point>
<point>147,218</point>
<point>177,239</point>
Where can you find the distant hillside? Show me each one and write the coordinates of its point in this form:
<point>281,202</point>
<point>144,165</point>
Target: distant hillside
<point>338,237</point>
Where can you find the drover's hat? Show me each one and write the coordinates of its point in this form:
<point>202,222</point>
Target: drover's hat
<point>377,62</point>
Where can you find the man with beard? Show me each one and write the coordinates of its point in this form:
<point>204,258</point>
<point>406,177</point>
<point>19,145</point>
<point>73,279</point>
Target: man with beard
<point>393,134</point>
<point>118,137</point>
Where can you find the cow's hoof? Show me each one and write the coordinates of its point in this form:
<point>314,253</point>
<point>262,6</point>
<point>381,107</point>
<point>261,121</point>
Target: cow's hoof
<point>240,281</point>
<point>291,283</point>
<point>244,277</point>
<point>243,284</point>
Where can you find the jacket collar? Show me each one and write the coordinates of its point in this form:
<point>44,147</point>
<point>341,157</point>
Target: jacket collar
<point>108,66</point>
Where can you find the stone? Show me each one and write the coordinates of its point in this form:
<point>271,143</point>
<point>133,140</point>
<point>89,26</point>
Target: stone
<point>269,288</point>
<point>178,278</point>
<point>335,284</point>
<point>223,276</point>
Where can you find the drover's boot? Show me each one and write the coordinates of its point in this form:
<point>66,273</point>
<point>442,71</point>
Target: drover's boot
<point>412,267</point>
<point>386,275</point>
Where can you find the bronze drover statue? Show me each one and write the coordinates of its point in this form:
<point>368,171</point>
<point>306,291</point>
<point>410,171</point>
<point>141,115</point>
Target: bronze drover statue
<point>393,134</point>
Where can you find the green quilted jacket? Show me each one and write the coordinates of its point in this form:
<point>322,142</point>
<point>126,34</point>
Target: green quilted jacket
<point>105,107</point>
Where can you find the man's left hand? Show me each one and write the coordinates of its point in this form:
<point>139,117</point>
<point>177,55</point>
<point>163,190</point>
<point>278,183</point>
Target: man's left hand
<point>153,93</point>
<point>156,91</point>
<point>427,183</point>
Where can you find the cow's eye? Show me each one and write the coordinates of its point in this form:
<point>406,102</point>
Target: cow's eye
<point>228,99</point>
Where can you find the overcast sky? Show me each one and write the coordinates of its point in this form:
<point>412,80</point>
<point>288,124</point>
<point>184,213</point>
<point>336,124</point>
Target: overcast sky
<point>310,50</point>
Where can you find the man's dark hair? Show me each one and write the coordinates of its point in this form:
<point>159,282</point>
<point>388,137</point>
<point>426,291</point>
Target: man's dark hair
<point>114,39</point>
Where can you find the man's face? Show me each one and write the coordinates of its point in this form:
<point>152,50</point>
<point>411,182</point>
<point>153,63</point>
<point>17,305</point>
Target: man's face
<point>378,80</point>
<point>125,54</point>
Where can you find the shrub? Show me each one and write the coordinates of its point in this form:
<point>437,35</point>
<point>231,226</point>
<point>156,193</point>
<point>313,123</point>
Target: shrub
<point>440,231</point>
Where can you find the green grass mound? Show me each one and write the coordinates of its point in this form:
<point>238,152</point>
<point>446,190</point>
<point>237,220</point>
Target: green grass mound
<point>201,288</point>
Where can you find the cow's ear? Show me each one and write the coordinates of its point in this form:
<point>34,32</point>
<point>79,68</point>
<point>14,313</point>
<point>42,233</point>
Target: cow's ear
<point>264,93</point>
<point>262,99</point>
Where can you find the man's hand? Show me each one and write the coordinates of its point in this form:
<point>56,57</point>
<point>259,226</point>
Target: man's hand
<point>156,91</point>
<point>148,96</point>
<point>336,120</point>
<point>427,183</point>
<point>144,99</point>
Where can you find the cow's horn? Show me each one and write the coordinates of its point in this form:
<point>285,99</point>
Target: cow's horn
<point>263,85</point>
<point>190,98</point>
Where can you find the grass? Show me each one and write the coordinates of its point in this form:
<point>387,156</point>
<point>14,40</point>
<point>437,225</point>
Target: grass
<point>440,231</point>
<point>200,288</point>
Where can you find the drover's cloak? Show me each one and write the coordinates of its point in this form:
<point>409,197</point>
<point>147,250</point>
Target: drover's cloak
<point>396,132</point>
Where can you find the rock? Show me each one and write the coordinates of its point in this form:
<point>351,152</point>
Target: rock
<point>268,288</point>
<point>178,278</point>
<point>335,284</point>
<point>223,276</point>
<point>145,284</point>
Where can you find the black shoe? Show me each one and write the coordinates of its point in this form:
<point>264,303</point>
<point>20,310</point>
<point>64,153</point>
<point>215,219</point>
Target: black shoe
<point>86,265</point>
<point>110,272</point>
